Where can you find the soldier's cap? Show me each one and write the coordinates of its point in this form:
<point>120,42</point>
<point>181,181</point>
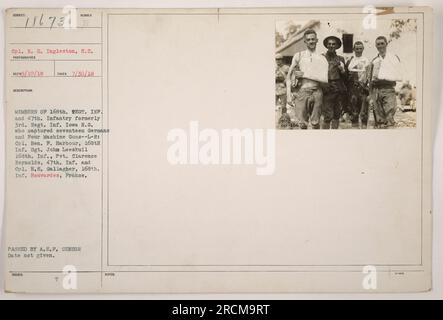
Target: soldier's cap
<point>325,42</point>
<point>278,56</point>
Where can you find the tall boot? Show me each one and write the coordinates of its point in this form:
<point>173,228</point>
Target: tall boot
<point>335,123</point>
<point>364,124</point>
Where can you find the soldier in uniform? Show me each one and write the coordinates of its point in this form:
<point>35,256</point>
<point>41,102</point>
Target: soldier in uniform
<point>357,89</point>
<point>307,97</point>
<point>281,71</point>
<point>334,92</point>
<point>385,72</point>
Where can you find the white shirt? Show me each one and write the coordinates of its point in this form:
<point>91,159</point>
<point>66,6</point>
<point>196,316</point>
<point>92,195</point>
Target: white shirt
<point>388,68</point>
<point>359,64</point>
<point>314,67</point>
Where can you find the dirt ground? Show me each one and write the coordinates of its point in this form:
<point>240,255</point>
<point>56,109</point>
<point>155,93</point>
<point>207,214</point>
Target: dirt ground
<point>403,119</point>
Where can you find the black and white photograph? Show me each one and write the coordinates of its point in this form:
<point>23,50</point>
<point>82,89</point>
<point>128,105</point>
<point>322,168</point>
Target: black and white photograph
<point>345,74</point>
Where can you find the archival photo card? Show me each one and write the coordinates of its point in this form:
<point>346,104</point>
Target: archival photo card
<point>156,150</point>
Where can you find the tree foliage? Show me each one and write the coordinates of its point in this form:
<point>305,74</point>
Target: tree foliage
<point>398,26</point>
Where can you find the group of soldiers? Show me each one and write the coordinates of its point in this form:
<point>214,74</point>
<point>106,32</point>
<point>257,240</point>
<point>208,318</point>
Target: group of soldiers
<point>355,87</point>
